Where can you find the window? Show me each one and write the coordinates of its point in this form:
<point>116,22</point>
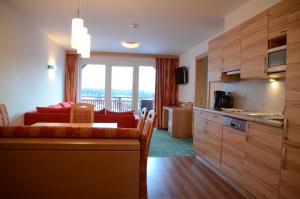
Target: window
<point>118,88</point>
<point>146,87</point>
<point>93,85</point>
<point>121,88</point>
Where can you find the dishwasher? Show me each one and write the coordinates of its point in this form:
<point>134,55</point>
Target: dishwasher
<point>235,123</point>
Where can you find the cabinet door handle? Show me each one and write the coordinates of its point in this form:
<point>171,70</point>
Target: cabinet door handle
<point>283,158</point>
<point>285,129</point>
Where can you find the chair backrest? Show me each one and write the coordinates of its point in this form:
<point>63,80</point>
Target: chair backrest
<point>4,120</point>
<point>82,113</point>
<point>145,144</point>
<point>142,119</point>
<point>148,128</point>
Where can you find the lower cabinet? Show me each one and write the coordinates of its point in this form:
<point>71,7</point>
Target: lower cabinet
<point>290,173</point>
<point>252,160</point>
<point>233,154</point>
<point>262,162</point>
<point>199,136</point>
<point>213,138</point>
<point>207,139</point>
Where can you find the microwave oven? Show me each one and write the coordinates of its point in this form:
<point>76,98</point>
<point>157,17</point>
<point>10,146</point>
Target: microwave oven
<point>276,60</point>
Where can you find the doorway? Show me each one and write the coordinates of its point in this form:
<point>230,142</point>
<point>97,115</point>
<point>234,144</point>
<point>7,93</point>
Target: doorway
<point>201,84</point>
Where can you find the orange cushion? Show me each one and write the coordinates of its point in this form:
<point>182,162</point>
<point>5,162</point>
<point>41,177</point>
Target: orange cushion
<point>52,110</point>
<point>119,113</point>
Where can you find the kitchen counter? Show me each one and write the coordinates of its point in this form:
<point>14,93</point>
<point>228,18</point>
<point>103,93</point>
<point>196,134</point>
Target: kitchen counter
<point>263,118</point>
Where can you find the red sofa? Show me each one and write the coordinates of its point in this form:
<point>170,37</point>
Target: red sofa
<point>61,113</point>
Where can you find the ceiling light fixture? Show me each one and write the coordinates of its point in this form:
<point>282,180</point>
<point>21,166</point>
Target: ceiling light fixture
<point>81,40</point>
<point>130,44</point>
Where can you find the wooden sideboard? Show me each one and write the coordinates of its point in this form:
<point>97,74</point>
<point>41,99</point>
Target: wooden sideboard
<point>178,121</point>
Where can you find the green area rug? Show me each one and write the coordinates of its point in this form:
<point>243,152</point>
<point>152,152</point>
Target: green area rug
<point>164,145</point>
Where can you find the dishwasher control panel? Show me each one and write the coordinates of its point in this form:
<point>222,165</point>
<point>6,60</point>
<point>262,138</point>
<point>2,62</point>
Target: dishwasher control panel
<point>235,123</point>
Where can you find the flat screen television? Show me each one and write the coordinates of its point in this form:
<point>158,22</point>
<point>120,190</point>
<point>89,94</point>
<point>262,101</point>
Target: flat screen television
<point>181,75</point>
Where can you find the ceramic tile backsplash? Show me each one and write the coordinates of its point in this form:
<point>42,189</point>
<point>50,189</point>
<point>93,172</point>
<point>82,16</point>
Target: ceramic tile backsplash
<point>258,95</point>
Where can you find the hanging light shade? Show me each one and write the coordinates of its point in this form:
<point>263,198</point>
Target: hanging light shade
<point>77,26</point>
<point>83,34</point>
<point>86,46</point>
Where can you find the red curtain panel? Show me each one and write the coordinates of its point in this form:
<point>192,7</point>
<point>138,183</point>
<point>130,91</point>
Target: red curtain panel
<point>166,89</point>
<point>71,77</point>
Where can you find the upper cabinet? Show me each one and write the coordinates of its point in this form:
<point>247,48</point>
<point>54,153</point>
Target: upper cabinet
<point>254,46</point>
<point>292,97</point>
<point>294,10</point>
<point>215,59</point>
<point>231,53</point>
<point>278,19</point>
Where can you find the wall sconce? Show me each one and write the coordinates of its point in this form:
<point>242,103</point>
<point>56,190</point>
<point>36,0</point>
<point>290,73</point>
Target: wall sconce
<point>51,67</point>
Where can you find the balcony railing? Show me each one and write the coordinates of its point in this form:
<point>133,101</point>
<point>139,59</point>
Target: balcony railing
<point>118,104</point>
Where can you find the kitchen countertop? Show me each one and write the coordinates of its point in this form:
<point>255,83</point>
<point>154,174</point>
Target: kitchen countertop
<point>262,118</point>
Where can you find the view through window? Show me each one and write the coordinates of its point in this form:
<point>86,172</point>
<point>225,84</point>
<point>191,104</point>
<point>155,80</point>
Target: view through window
<point>121,88</point>
<point>93,85</point>
<point>118,88</point>
<point>146,87</point>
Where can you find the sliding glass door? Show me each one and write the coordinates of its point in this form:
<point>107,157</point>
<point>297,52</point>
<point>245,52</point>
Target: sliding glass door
<point>121,88</point>
<point>118,88</point>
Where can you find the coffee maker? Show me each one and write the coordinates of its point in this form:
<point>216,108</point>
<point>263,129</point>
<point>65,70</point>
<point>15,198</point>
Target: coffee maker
<point>222,100</point>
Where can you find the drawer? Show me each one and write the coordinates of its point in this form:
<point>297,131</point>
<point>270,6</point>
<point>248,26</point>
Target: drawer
<point>214,117</point>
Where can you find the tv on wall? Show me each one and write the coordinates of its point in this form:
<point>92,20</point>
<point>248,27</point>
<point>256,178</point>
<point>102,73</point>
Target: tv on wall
<point>181,75</point>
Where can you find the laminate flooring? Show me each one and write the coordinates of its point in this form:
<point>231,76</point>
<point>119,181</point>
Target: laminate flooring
<point>185,178</point>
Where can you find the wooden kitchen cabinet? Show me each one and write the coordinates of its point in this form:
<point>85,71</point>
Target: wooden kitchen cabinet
<point>278,19</point>
<point>231,44</point>
<point>290,173</point>
<point>233,154</point>
<point>292,97</point>
<point>213,138</point>
<point>292,104</point>
<point>199,136</point>
<point>254,46</point>
<point>294,10</point>
<point>215,59</point>
<point>207,137</point>
<point>262,162</point>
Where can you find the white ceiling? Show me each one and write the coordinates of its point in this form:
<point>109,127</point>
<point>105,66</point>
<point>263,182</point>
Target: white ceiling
<point>165,26</point>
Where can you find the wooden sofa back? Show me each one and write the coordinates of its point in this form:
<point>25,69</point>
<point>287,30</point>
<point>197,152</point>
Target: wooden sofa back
<point>66,162</point>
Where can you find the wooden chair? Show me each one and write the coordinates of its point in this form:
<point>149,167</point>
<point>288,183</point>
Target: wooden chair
<point>145,144</point>
<point>142,118</point>
<point>4,119</point>
<point>82,113</point>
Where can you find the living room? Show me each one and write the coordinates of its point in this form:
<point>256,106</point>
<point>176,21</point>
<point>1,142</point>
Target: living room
<point>39,68</point>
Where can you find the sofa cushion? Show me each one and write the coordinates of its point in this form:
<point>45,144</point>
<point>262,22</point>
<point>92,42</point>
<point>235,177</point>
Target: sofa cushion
<point>102,111</point>
<point>52,110</point>
<point>55,106</point>
<point>66,104</point>
<point>119,113</point>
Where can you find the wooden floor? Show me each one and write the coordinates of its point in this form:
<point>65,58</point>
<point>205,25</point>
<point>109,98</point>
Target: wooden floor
<point>185,177</point>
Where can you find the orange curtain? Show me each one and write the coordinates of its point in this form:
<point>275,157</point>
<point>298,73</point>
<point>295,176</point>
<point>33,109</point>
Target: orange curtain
<point>166,89</point>
<point>71,77</point>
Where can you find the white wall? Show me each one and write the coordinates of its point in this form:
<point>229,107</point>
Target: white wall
<point>246,11</point>
<point>25,53</point>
